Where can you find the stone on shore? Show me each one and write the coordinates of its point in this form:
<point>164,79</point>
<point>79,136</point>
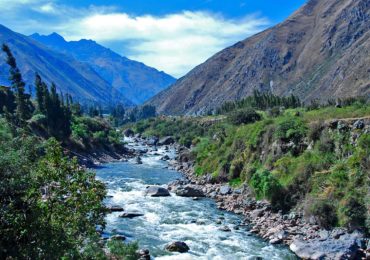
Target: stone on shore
<point>129,133</point>
<point>166,141</point>
<point>225,190</point>
<point>345,247</point>
<point>189,191</point>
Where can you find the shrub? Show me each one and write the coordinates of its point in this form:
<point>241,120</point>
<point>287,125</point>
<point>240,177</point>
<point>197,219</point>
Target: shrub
<point>315,130</point>
<point>265,185</point>
<point>274,112</point>
<point>291,129</point>
<point>324,212</point>
<point>244,116</point>
<point>326,144</point>
<point>123,251</point>
<point>352,212</point>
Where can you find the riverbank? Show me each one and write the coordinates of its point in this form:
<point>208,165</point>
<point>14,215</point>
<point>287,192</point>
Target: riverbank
<point>161,221</point>
<point>304,237</point>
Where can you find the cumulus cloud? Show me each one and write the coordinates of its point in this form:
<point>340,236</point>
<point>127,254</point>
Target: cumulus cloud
<point>174,43</point>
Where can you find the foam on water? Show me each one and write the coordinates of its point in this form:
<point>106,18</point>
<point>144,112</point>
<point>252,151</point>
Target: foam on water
<point>168,219</point>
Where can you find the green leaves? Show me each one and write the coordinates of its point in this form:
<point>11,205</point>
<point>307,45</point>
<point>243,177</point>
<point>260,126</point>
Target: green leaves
<point>51,206</point>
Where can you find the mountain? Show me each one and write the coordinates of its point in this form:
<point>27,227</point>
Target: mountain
<point>135,80</point>
<point>321,51</point>
<point>69,75</point>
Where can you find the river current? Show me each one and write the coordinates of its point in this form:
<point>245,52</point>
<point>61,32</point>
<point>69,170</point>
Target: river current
<point>168,219</point>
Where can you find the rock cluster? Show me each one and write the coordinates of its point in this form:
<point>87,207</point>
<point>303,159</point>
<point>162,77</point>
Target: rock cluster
<point>304,238</point>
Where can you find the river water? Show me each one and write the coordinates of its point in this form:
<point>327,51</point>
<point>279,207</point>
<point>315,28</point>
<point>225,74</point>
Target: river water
<point>174,218</point>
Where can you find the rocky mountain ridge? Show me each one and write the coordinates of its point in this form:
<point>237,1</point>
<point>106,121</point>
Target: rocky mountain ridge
<point>320,52</point>
<point>135,80</point>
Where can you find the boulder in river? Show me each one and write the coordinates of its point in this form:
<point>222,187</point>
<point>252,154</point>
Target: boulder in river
<point>129,132</point>
<point>131,215</point>
<point>118,237</point>
<point>115,208</point>
<point>139,160</point>
<point>143,254</point>
<point>189,191</point>
<point>225,229</point>
<point>156,191</point>
<point>165,158</point>
<point>153,141</point>
<point>177,246</point>
<point>166,141</point>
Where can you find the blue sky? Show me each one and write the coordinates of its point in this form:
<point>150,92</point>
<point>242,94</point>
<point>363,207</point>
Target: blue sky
<point>170,35</point>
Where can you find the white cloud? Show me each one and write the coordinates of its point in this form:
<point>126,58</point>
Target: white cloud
<point>174,43</point>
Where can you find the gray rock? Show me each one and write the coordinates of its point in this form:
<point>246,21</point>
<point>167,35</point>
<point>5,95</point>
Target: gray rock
<point>131,215</point>
<point>282,235</point>
<point>115,208</point>
<point>225,190</point>
<point>258,213</point>
<point>143,254</point>
<point>225,229</point>
<point>153,141</point>
<point>155,191</point>
<point>347,247</point>
<point>189,191</point>
<point>129,132</point>
<point>139,160</point>
<point>118,237</point>
<point>165,158</point>
<point>359,124</point>
<point>178,246</point>
<point>166,140</point>
<point>275,241</point>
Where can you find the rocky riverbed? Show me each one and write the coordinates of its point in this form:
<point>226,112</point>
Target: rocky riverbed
<point>304,237</point>
<point>173,223</point>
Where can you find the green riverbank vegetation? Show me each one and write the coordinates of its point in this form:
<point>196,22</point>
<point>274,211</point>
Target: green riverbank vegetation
<point>313,159</point>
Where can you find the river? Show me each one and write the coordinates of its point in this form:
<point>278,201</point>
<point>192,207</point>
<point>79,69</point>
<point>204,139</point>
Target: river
<point>168,219</point>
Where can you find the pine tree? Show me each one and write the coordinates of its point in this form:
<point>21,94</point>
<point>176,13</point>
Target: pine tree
<point>40,94</point>
<point>24,106</point>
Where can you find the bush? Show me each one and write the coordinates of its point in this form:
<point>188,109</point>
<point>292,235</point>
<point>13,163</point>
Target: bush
<point>324,212</point>
<point>352,212</point>
<point>265,185</point>
<point>326,143</point>
<point>244,116</point>
<point>291,129</point>
<point>274,112</point>
<point>315,130</point>
<point>123,251</point>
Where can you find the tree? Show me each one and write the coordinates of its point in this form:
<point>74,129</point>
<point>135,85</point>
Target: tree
<point>7,100</point>
<point>51,206</point>
<point>40,94</point>
<point>24,106</point>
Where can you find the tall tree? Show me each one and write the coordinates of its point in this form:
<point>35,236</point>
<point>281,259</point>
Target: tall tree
<point>24,106</point>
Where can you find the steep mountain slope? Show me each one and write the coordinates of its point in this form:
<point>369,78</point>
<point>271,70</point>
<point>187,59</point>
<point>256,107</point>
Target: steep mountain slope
<point>320,52</point>
<point>70,75</point>
<point>137,81</point>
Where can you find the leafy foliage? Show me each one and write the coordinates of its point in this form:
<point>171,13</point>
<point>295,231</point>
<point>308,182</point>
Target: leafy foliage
<point>244,116</point>
<point>50,206</point>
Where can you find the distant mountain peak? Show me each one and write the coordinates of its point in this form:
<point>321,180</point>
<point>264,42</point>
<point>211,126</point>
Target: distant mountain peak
<point>133,79</point>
